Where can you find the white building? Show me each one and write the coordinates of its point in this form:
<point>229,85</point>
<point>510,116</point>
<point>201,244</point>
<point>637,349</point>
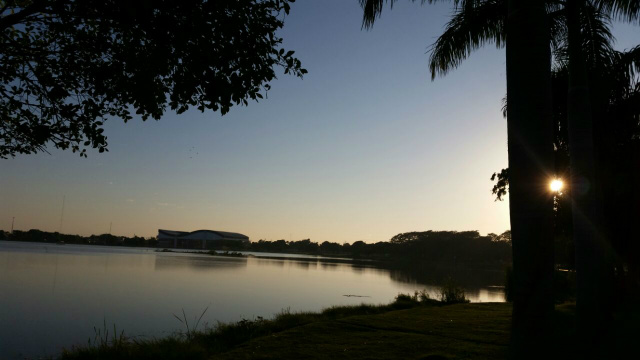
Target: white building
<point>199,239</point>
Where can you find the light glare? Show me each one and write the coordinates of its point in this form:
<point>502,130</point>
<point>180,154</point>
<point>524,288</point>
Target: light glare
<point>556,185</point>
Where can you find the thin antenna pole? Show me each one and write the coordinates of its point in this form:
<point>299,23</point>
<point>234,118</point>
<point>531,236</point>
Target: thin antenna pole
<point>12,221</point>
<point>110,224</point>
<point>61,214</point>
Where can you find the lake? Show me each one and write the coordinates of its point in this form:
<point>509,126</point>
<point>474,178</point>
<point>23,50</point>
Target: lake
<point>56,296</point>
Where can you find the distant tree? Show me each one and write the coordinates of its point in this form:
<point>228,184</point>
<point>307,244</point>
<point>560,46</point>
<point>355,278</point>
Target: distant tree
<point>504,237</point>
<point>405,237</point>
<point>433,247</point>
<point>303,246</point>
<point>66,66</point>
<point>359,248</point>
<point>330,247</point>
<point>280,245</point>
<point>413,248</point>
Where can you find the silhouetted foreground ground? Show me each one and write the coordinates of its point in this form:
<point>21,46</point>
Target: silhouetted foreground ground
<point>474,331</point>
<point>405,329</point>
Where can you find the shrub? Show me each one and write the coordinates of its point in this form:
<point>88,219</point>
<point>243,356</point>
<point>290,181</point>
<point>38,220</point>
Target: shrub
<point>418,298</point>
<point>450,293</point>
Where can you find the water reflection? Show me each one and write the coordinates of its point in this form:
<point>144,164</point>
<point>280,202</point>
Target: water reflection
<point>466,277</point>
<point>199,263</point>
<point>481,284</point>
<point>328,266</point>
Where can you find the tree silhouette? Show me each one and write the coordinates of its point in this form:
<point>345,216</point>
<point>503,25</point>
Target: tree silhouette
<point>67,66</point>
<point>529,136</point>
<point>579,35</point>
<point>615,102</point>
<point>529,144</point>
<point>588,233</point>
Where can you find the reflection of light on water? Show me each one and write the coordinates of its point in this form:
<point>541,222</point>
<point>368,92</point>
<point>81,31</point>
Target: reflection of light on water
<point>488,294</point>
<point>495,294</point>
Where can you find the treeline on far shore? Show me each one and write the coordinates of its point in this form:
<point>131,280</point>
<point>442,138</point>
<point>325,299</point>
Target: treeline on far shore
<point>414,247</point>
<point>35,235</point>
<point>424,246</point>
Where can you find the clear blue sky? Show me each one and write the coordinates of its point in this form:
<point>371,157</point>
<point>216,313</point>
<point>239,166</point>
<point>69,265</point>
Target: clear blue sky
<point>363,148</point>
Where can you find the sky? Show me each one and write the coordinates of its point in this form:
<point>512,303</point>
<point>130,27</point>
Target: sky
<point>366,146</point>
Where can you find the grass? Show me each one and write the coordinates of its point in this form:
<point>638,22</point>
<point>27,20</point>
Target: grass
<point>412,327</point>
<point>422,332</point>
<point>202,344</point>
<point>399,330</point>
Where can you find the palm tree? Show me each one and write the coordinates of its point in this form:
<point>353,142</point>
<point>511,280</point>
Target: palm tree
<point>593,255</point>
<point>588,231</point>
<point>530,137</point>
<point>530,149</point>
<point>579,34</point>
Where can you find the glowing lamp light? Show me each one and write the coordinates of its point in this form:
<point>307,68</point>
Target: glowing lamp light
<point>556,185</point>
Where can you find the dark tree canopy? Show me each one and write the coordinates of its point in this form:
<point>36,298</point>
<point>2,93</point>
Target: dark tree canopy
<point>66,66</point>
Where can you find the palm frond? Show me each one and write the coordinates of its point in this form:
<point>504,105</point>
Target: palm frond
<point>624,10</point>
<point>628,63</point>
<point>622,87</point>
<point>558,32</point>
<point>470,27</point>
<point>597,40</point>
<point>373,8</point>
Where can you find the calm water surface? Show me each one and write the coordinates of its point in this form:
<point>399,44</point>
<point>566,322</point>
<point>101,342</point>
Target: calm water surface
<point>52,296</point>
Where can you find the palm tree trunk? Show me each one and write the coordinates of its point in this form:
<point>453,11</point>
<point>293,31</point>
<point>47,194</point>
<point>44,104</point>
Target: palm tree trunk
<point>589,240</point>
<point>530,145</point>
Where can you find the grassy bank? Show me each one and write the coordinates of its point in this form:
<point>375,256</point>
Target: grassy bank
<point>409,328</point>
<point>225,339</point>
<point>473,331</point>
<point>202,344</point>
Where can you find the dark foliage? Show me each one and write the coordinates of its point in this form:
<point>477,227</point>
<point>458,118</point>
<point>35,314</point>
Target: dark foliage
<point>34,235</point>
<point>463,247</point>
<point>501,186</point>
<point>427,247</point>
<point>615,100</point>
<point>66,66</point>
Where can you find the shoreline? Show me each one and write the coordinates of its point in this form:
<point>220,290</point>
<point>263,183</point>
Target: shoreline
<point>206,343</point>
<point>409,327</point>
<point>385,263</point>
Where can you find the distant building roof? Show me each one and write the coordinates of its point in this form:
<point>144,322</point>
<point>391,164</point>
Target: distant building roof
<point>172,233</point>
<point>223,234</point>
